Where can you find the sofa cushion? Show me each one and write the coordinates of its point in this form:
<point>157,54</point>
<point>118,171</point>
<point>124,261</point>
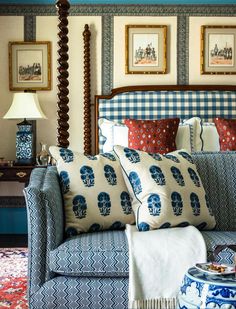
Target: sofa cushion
<point>103,254</point>
<point>95,194</point>
<point>166,190</point>
<point>217,172</point>
<point>217,239</point>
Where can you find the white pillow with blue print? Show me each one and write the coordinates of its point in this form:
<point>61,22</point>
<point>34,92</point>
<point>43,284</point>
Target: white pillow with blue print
<point>95,194</point>
<point>166,190</point>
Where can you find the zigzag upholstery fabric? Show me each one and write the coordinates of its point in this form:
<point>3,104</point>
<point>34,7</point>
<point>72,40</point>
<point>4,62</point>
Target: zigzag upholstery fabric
<point>214,239</point>
<point>101,254</point>
<point>217,172</point>
<point>64,292</point>
<point>49,290</point>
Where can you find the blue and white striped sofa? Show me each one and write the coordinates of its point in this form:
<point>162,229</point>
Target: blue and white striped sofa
<point>90,271</point>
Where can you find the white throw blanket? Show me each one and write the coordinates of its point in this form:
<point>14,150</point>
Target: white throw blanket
<point>158,260</point>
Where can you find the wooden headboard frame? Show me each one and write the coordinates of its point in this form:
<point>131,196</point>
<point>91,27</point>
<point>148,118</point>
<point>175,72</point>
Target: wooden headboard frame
<point>146,88</point>
<point>63,92</point>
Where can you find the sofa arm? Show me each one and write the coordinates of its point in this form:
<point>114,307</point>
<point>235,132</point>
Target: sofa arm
<point>45,223</point>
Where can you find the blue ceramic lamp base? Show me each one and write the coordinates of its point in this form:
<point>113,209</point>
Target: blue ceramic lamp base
<point>25,154</point>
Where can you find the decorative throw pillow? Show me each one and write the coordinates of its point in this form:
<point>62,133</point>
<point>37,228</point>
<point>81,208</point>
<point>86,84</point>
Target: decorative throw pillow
<point>166,190</point>
<point>226,129</point>
<point>153,135</point>
<point>210,137</point>
<point>117,134</point>
<point>95,194</point>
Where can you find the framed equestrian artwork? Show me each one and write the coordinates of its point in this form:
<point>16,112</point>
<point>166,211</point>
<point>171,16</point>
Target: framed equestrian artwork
<point>218,50</point>
<point>145,51</point>
<point>30,65</point>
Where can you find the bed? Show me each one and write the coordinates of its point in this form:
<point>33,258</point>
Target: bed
<point>91,270</point>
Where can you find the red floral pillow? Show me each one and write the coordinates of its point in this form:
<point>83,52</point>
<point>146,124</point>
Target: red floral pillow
<point>226,129</point>
<point>154,136</point>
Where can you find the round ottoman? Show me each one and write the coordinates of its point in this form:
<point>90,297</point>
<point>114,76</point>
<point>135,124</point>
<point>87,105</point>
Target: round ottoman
<point>200,290</point>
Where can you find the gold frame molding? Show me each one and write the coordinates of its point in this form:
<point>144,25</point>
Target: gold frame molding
<point>161,41</point>
<point>219,54</point>
<point>43,47</point>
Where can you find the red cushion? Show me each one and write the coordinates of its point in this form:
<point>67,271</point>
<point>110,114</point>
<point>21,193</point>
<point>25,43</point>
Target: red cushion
<point>154,136</point>
<point>226,129</point>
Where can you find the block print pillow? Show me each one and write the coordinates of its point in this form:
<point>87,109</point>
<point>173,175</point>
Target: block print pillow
<point>153,135</point>
<point>226,129</point>
<point>95,194</point>
<point>166,190</point>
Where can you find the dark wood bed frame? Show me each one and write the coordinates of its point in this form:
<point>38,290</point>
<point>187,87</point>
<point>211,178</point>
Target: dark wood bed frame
<point>63,84</point>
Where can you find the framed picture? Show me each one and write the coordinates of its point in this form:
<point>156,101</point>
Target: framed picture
<point>30,65</point>
<point>218,50</point>
<point>145,51</point>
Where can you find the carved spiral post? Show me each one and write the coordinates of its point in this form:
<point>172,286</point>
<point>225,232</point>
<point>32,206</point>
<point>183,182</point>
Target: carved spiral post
<point>87,89</point>
<point>63,100</point>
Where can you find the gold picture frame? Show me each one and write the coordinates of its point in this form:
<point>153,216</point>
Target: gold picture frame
<point>218,50</point>
<point>145,49</point>
<point>29,65</point>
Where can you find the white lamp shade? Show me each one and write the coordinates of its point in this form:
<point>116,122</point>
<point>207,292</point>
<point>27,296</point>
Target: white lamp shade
<point>25,105</point>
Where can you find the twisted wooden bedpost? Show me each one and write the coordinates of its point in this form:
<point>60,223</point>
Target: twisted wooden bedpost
<point>63,100</point>
<point>87,94</point>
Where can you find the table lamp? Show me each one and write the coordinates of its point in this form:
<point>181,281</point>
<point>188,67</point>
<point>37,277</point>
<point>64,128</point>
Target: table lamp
<point>25,105</point>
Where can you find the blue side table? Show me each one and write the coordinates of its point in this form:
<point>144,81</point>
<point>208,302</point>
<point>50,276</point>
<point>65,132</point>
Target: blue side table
<point>200,290</point>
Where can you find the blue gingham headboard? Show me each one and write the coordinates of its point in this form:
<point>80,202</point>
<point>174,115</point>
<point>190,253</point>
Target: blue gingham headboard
<point>155,104</point>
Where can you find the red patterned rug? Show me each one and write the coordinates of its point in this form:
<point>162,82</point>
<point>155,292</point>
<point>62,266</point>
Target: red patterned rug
<point>13,278</point>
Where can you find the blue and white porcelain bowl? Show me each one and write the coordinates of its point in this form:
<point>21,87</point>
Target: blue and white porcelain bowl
<point>200,290</point>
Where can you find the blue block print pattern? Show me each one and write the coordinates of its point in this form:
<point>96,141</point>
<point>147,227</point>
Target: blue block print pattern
<point>110,175</point>
<point>171,157</point>
<point>87,176</point>
<point>104,203</point>
<point>186,156</point>
<point>195,204</point>
<point>65,181</point>
<point>177,203</point>
<point>194,177</point>
<point>95,227</point>
<point>109,156</point>
<point>71,231</point>
<point>177,175</point>
<point>165,225</point>
<point>156,156</point>
<point>132,155</point>
<point>126,203</point>
<point>67,155</point>
<point>117,225</point>
<point>143,226</point>
<point>93,158</point>
<point>157,175</point>
<point>154,204</point>
<point>135,182</point>
<point>79,206</point>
